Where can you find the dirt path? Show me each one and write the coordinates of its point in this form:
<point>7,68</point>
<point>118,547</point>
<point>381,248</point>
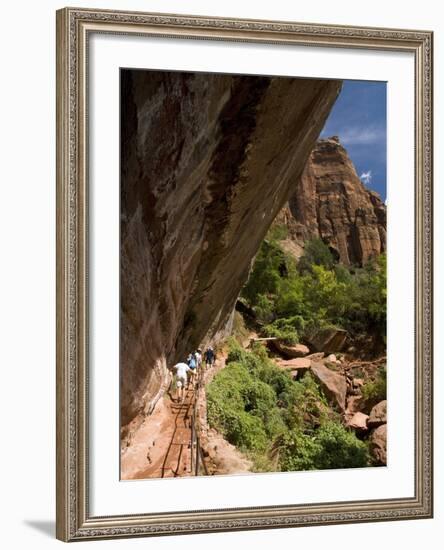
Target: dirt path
<point>162,445</point>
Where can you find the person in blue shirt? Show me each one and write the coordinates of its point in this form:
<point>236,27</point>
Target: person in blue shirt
<point>192,363</point>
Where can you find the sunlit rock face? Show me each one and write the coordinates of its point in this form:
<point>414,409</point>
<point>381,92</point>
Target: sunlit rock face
<point>207,162</point>
<point>330,202</point>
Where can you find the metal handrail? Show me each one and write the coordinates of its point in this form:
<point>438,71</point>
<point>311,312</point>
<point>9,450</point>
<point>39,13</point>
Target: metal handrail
<point>197,460</point>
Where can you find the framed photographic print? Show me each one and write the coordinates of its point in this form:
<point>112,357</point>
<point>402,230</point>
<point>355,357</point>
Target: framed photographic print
<point>244,274</point>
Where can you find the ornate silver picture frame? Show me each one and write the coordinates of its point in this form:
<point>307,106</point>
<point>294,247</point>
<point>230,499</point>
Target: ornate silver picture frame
<point>74,211</point>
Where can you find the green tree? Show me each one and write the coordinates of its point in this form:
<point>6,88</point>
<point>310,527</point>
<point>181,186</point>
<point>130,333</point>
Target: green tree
<point>265,278</point>
<point>374,391</point>
<point>322,295</point>
<point>316,252</point>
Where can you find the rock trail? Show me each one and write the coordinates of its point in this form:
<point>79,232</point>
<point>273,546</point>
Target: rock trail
<point>162,447</point>
<point>170,456</point>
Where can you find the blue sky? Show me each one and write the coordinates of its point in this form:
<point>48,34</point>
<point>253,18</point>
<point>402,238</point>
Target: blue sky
<point>359,118</point>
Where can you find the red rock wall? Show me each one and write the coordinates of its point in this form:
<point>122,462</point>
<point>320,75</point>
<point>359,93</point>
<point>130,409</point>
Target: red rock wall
<point>330,201</point>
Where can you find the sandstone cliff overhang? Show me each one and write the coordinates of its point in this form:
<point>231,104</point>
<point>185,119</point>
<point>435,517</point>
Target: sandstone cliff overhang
<point>207,162</point>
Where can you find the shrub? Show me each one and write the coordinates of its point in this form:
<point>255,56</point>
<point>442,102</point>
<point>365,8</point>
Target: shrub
<point>263,308</point>
<point>239,404</point>
<point>374,391</point>
<point>243,399</point>
<point>235,351</point>
<point>330,446</point>
<point>298,451</point>
<point>286,329</point>
<point>276,420</point>
<point>277,232</point>
<point>285,333</point>
<point>245,431</point>
<point>258,406</point>
<point>340,448</point>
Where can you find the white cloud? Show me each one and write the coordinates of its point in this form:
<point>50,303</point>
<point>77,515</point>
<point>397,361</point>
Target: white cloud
<point>366,177</point>
<point>362,136</point>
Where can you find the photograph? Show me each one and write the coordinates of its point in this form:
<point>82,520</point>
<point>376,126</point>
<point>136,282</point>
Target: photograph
<point>253,280</point>
<point>244,274</point>
<point>219,298</point>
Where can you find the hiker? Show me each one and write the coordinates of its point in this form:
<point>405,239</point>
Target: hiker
<point>198,355</point>
<point>181,380</point>
<point>209,357</point>
<point>192,365</point>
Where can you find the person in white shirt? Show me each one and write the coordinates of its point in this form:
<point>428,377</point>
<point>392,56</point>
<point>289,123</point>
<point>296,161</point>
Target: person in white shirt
<point>198,355</point>
<point>181,379</point>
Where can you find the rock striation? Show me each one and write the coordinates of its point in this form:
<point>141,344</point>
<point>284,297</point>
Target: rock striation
<point>207,162</point>
<point>330,202</point>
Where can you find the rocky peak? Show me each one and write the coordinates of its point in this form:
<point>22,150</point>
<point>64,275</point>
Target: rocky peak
<point>330,202</point>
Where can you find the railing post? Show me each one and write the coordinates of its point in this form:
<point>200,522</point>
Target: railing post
<point>192,445</point>
<point>197,456</point>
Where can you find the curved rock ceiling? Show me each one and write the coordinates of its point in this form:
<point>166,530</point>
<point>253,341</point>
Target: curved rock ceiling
<point>207,162</point>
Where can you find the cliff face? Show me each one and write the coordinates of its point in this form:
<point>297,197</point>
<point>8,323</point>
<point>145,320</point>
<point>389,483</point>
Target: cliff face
<point>207,162</point>
<point>330,202</point>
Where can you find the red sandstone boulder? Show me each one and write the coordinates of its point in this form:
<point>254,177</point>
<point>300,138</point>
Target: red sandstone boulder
<point>378,415</point>
<point>328,340</point>
<point>358,421</point>
<point>353,404</point>
<point>378,445</point>
<point>291,351</point>
<point>316,356</point>
<point>333,384</point>
<point>301,363</point>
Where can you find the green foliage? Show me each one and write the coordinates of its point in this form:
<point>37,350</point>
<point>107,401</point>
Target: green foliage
<point>316,252</point>
<point>263,308</point>
<point>265,277</point>
<point>340,448</point>
<point>240,405</point>
<point>365,301</point>
<point>286,424</point>
<point>261,410</point>
<point>239,331</point>
<point>286,329</point>
<point>331,446</point>
<point>298,451</point>
<point>375,391</point>
<point>311,409</point>
<point>289,299</point>
<point>277,232</point>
